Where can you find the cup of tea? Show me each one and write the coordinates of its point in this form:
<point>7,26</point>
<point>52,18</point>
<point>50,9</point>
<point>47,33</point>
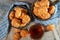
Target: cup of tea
<point>36,31</point>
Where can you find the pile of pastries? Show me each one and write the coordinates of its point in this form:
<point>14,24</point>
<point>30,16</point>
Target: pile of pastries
<point>18,34</point>
<point>43,9</point>
<point>19,17</point>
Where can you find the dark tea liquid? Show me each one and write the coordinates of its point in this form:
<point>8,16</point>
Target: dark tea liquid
<point>36,31</point>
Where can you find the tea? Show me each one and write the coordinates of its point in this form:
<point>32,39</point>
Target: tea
<point>36,31</point>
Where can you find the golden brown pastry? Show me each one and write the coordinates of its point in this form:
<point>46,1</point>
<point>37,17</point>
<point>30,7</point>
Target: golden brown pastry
<point>43,14</point>
<point>51,9</point>
<point>24,33</point>
<point>23,24</point>
<point>25,19</point>
<point>43,10</point>
<point>16,36</point>
<point>16,30</point>
<point>15,39</point>
<point>36,4</point>
<point>35,11</point>
<point>12,15</point>
<point>19,11</point>
<point>50,27</point>
<point>19,17</point>
<point>42,3</point>
<point>15,22</point>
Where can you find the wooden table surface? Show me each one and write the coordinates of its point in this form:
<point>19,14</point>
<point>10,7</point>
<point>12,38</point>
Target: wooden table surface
<point>52,35</point>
